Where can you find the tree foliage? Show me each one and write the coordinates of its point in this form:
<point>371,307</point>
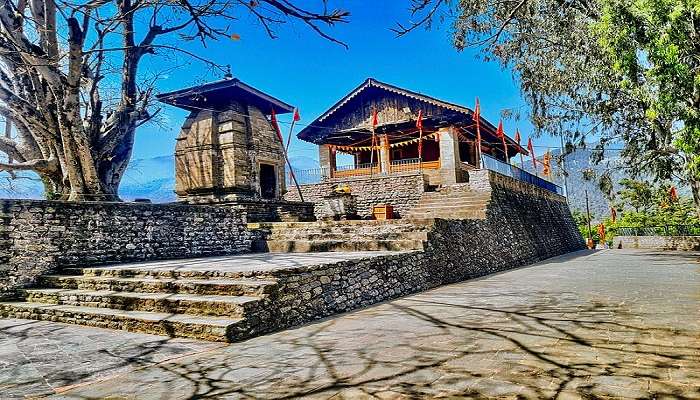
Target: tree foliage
<point>72,82</point>
<point>612,70</point>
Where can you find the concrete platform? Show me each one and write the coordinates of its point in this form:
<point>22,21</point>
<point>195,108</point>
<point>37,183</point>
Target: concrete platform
<point>604,324</point>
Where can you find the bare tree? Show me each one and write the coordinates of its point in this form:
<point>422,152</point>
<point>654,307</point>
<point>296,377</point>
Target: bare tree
<point>71,82</point>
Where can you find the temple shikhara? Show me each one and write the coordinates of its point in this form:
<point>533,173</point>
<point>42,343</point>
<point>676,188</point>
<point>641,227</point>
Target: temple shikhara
<point>227,149</point>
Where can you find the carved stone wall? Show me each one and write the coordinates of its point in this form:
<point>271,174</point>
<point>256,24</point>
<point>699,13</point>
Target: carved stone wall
<point>218,155</point>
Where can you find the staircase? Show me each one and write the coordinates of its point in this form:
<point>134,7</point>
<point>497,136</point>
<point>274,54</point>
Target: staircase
<point>191,304</point>
<point>452,202</point>
<point>303,237</point>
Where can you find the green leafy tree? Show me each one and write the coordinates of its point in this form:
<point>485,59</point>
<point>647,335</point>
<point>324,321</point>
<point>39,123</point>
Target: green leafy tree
<point>616,70</point>
<point>637,194</point>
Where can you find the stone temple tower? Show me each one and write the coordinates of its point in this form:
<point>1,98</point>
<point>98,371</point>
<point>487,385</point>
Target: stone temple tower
<point>227,149</point>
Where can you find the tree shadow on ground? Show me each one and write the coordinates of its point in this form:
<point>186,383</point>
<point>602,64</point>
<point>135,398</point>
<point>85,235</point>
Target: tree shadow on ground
<point>446,345</point>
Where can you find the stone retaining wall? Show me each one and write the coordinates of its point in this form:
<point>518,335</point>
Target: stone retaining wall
<point>42,236</point>
<point>524,224</point>
<point>276,211</point>
<point>686,243</point>
<point>403,191</point>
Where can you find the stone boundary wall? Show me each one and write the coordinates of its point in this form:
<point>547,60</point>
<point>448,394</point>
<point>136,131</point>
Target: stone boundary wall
<point>403,191</point>
<point>685,243</point>
<point>38,237</point>
<point>276,211</point>
<point>523,225</point>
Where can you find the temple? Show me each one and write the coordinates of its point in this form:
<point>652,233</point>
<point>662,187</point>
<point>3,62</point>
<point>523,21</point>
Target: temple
<point>228,149</point>
<point>448,137</point>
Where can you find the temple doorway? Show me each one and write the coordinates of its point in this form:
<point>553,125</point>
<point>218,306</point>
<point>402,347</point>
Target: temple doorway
<point>268,181</point>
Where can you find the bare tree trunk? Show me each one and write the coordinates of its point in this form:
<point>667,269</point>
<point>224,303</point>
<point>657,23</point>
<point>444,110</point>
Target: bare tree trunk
<point>695,188</point>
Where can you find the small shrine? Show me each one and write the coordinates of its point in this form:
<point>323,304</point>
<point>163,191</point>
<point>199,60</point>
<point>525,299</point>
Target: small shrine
<point>228,149</point>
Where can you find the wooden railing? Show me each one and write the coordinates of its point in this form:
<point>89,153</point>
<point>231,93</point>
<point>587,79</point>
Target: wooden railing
<point>412,165</point>
<point>316,175</point>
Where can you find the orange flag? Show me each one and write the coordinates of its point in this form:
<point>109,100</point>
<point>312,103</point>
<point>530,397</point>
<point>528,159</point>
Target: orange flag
<point>546,161</point>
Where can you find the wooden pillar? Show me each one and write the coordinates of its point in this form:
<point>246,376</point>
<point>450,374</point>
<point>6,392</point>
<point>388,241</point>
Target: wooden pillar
<point>326,158</point>
<point>385,155</point>
<point>449,156</point>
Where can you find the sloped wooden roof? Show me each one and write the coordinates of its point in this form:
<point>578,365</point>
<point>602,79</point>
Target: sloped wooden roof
<point>318,126</point>
<point>217,95</point>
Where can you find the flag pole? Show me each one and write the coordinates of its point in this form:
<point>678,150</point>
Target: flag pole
<point>477,113</point>
<point>419,125</point>
<point>276,126</point>
<point>295,118</point>
<point>371,146</point>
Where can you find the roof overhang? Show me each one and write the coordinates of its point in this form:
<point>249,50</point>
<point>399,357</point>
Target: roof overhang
<point>217,96</point>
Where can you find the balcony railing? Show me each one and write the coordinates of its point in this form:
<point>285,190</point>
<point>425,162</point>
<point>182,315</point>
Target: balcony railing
<point>412,164</point>
<point>512,171</point>
<point>316,175</point>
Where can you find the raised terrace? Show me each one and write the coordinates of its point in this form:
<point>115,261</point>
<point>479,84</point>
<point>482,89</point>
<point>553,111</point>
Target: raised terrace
<point>61,259</point>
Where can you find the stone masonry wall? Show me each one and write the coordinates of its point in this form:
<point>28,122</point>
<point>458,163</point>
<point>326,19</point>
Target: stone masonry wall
<point>401,191</point>
<point>685,243</point>
<point>524,225</point>
<point>42,236</point>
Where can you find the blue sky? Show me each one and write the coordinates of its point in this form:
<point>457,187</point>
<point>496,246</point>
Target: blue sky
<point>311,73</point>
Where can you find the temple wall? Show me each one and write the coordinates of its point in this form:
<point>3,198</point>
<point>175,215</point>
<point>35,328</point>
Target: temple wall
<point>524,225</point>
<point>403,191</point>
<point>217,154</point>
<point>37,237</point>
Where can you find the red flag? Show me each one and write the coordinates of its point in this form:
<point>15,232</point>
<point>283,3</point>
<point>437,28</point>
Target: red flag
<point>375,118</point>
<point>517,139</point>
<point>275,126</point>
<point>673,194</point>
<point>419,121</point>
<point>297,117</point>
<point>531,149</point>
<point>613,214</point>
<point>502,136</point>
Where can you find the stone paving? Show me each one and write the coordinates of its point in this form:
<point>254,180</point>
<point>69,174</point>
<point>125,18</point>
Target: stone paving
<point>607,324</point>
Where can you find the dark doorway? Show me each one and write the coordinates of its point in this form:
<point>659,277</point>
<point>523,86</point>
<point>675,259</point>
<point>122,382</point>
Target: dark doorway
<point>268,181</point>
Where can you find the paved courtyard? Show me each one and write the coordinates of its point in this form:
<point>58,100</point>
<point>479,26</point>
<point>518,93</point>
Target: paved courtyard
<point>606,324</point>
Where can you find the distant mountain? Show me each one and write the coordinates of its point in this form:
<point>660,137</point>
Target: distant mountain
<point>149,178</point>
<point>154,179</point>
<point>579,161</point>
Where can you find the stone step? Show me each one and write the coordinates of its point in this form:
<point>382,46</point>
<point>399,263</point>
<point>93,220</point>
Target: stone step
<point>370,229</point>
<point>237,287</point>
<point>448,215</point>
<point>181,273</point>
<point>365,224</point>
<point>456,208</point>
<point>305,235</point>
<point>308,246</point>
<point>208,305</point>
<point>168,324</point>
<point>456,194</point>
